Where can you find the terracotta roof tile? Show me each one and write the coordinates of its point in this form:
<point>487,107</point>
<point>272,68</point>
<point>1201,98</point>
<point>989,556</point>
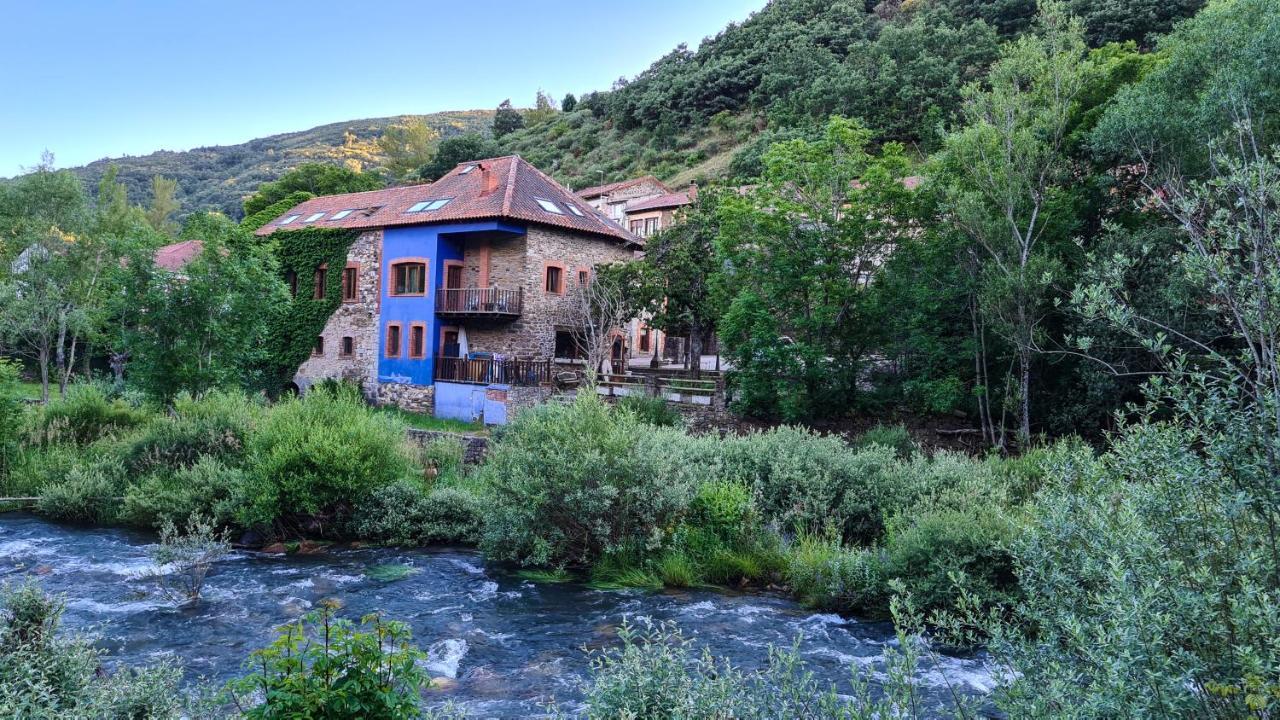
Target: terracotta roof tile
<point>669,200</point>
<point>598,190</point>
<point>494,189</point>
<point>174,257</point>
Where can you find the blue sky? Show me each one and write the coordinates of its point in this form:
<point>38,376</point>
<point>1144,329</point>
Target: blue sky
<point>104,78</point>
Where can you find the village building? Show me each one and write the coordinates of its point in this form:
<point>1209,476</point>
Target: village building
<point>452,292</point>
<point>612,200</point>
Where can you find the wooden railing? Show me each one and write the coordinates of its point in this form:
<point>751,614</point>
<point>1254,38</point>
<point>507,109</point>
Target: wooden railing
<point>479,301</point>
<point>510,371</point>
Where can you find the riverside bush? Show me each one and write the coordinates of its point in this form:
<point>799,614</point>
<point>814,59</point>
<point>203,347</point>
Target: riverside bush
<point>215,425</point>
<point>404,513</point>
<point>46,675</point>
<point>564,485</point>
<point>826,574</point>
<point>890,436</point>
<point>12,414</point>
<point>320,454</point>
<point>208,487</point>
<point>82,415</point>
<point>653,411</point>
<point>86,496</point>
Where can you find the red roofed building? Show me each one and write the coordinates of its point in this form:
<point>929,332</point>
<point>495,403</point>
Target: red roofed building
<point>176,256</point>
<point>456,287</point>
<point>612,199</point>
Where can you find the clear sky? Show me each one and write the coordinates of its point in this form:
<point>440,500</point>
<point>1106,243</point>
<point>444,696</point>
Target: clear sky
<point>102,78</point>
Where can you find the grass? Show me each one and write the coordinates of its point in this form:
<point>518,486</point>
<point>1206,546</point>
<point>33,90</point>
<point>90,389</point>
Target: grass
<point>545,576</point>
<point>426,422</point>
<point>31,390</point>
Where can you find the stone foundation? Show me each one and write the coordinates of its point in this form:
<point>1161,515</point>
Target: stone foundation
<point>413,398</point>
<point>474,447</point>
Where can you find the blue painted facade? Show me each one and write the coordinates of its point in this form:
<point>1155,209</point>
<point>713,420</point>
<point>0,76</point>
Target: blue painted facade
<point>434,244</point>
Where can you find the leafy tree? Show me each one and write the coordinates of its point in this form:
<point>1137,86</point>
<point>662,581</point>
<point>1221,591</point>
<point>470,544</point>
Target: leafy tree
<point>36,201</point>
<point>455,150</point>
<point>164,204</point>
<point>204,326</point>
<point>407,146</point>
<point>506,120</point>
<point>1002,175</point>
<point>799,254</point>
<point>1108,21</point>
<point>314,178</point>
<point>569,103</point>
<point>544,108</point>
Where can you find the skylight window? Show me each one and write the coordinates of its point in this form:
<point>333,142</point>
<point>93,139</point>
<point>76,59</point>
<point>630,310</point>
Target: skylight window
<point>314,217</point>
<point>549,206</point>
<point>466,169</point>
<point>341,214</point>
<point>289,219</point>
<point>429,205</point>
<point>574,209</point>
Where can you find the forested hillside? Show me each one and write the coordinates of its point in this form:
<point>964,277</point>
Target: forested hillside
<point>219,178</point>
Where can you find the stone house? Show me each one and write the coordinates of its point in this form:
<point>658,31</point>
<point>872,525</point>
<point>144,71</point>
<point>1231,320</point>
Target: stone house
<point>612,200</point>
<point>452,291</point>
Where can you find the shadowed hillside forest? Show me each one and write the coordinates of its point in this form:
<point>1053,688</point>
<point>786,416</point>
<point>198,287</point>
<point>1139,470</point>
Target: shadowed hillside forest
<point>1054,225</point>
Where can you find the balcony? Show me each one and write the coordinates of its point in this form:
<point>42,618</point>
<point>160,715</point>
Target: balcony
<point>485,370</point>
<point>479,303</point>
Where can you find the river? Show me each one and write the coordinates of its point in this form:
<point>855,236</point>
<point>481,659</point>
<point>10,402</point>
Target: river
<point>506,644</point>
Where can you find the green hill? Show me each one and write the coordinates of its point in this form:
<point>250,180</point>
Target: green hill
<point>218,178</point>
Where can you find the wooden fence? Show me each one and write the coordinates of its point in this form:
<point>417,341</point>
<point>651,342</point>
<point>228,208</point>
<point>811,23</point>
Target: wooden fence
<point>483,371</point>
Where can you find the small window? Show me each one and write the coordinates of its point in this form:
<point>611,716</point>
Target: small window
<point>466,169</point>
<point>417,340</point>
<point>555,280</point>
<point>314,217</point>
<point>574,209</point>
<point>428,205</point>
<point>437,204</point>
<point>566,345</point>
<point>318,349</point>
<point>321,283</point>
<point>637,227</point>
<point>650,226</point>
<point>289,219</point>
<point>409,278</point>
<point>348,347</point>
<point>291,278</point>
<point>349,284</point>
<point>393,340</point>
<point>584,277</point>
<point>341,214</point>
<point>549,206</point>
<point>644,340</point>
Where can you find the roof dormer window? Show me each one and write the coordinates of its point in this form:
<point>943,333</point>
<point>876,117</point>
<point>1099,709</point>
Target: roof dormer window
<point>289,219</point>
<point>429,205</point>
<point>314,217</point>
<point>549,206</point>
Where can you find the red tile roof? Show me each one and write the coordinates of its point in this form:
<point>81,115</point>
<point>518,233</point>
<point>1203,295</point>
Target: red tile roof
<point>504,188</point>
<point>662,202</point>
<point>598,190</point>
<point>176,256</point>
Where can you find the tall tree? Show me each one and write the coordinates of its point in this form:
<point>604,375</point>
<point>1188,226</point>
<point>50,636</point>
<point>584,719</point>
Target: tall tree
<point>407,146</point>
<point>164,203</point>
<point>455,150</point>
<point>506,120</point>
<point>314,178</point>
<point>798,254</point>
<point>569,103</point>
<point>1003,173</point>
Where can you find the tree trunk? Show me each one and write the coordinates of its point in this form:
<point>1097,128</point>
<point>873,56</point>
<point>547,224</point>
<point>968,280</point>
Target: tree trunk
<point>60,355</point>
<point>1024,398</point>
<point>43,360</point>
<point>695,348</point>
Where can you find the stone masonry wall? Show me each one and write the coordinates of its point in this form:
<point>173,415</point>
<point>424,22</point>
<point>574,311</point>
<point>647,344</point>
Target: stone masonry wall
<point>357,320</point>
<point>414,398</point>
<point>533,335</point>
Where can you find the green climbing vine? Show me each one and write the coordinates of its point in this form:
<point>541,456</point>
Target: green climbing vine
<point>302,318</point>
<point>274,210</point>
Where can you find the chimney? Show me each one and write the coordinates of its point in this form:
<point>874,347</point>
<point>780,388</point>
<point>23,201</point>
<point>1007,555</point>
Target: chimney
<point>488,180</point>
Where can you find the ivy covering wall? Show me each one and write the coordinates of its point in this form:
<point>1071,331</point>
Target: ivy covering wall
<point>274,210</point>
<point>295,327</point>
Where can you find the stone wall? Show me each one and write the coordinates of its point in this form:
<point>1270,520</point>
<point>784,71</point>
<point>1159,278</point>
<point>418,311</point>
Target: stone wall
<point>414,398</point>
<point>474,447</point>
<point>357,320</point>
<point>523,264</point>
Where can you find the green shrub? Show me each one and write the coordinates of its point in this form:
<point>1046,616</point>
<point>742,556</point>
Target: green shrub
<point>87,496</point>
<point>321,453</point>
<point>216,425</point>
<point>445,455</point>
<point>890,436</point>
<point>324,667</point>
<point>208,487</point>
<point>48,675</point>
<point>403,513</point>
<point>564,485</point>
<point>82,415</point>
<point>926,549</point>
<point>36,468</point>
<point>12,414</point>
<point>654,411</point>
<point>824,574</point>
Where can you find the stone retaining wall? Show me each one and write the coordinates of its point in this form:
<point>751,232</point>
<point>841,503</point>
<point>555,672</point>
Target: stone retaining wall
<point>474,447</point>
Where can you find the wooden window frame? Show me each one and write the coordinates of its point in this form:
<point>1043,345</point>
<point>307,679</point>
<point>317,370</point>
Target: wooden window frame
<point>446,329</point>
<point>444,278</point>
<point>354,269</point>
<point>389,349</point>
<point>320,282</point>
<point>391,275</point>
<point>546,266</point>
<point>584,276</point>
<point>422,351</point>
<point>342,347</point>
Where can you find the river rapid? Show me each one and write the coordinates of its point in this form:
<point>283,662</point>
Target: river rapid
<point>505,644</point>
